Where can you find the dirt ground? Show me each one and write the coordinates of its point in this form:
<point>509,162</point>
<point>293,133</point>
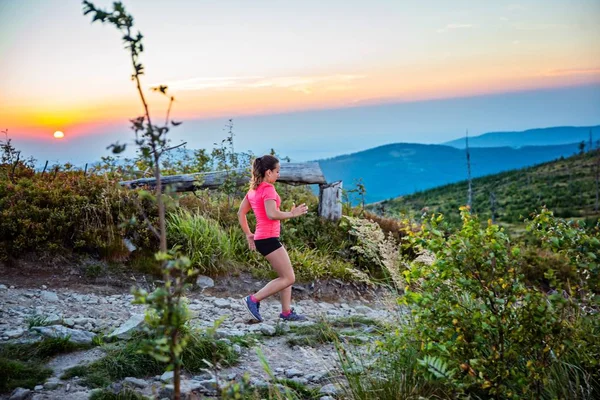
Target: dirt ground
<point>32,271</point>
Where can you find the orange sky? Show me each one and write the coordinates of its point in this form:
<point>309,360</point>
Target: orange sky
<point>231,60</point>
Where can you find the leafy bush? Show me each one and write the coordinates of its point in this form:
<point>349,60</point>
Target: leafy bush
<point>67,210</point>
<point>475,314</point>
<point>579,249</point>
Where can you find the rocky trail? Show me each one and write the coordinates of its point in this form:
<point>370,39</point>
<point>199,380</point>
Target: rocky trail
<point>84,314</point>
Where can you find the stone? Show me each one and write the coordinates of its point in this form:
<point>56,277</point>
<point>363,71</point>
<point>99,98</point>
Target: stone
<point>299,380</point>
<point>19,394</point>
<point>3,287</point>
<point>330,389</point>
<point>130,326</point>
<point>185,387</point>
<point>204,282</point>
<point>268,330</point>
<point>52,384</point>
<point>53,319</point>
<point>59,331</point>
<point>202,377</point>
<point>69,322</point>
<point>140,383</point>
<point>209,384</point>
<point>81,321</point>
<point>37,388</point>
<point>232,376</point>
<point>167,376</point>
<point>326,398</point>
<point>363,309</point>
<point>50,297</point>
<point>15,333</point>
<point>222,303</point>
<point>227,333</point>
<point>258,383</point>
<point>129,245</point>
<point>292,372</point>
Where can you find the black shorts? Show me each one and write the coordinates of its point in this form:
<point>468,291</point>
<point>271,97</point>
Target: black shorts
<point>268,245</point>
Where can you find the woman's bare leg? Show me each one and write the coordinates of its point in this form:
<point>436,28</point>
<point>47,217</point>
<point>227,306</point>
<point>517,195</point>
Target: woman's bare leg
<point>286,299</point>
<point>280,261</point>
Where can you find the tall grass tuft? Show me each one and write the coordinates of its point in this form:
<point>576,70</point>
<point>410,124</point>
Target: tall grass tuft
<point>202,239</point>
<point>394,374</point>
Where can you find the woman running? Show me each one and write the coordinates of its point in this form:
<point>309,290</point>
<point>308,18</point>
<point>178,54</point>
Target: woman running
<point>264,201</point>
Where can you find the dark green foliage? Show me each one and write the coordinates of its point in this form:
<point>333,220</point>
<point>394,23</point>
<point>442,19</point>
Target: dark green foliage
<point>488,331</point>
<point>22,365</point>
<point>127,359</point>
<point>14,374</point>
<point>39,212</point>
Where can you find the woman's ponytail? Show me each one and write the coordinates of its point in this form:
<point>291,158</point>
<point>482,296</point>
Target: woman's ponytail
<point>260,166</point>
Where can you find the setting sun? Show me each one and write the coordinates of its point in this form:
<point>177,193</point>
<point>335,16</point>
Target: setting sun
<point>59,135</point>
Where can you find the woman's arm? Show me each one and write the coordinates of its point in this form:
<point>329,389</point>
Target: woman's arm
<point>243,210</point>
<point>274,213</point>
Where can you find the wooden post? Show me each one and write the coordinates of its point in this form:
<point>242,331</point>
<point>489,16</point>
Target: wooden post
<point>330,200</point>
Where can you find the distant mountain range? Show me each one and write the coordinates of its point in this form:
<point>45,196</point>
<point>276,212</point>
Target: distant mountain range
<point>566,186</point>
<point>532,137</point>
<point>403,168</point>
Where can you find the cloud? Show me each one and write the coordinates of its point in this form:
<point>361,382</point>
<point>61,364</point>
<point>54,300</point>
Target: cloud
<point>454,26</point>
<point>572,72</point>
<point>304,84</point>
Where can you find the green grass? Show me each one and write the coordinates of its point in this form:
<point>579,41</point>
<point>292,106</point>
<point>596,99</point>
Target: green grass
<point>37,320</point>
<point>394,375</point>
<point>332,331</point>
<point>126,359</point>
<point>22,365</point>
<point>202,239</point>
<point>14,374</point>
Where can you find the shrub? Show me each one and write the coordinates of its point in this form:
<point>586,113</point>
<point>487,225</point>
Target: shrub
<point>66,210</point>
<point>475,314</point>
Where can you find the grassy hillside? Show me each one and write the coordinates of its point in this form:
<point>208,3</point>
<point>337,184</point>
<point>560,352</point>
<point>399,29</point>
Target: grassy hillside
<point>566,186</point>
<point>404,168</point>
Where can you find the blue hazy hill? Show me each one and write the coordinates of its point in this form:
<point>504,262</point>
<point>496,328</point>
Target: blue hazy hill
<point>403,168</point>
<point>532,137</point>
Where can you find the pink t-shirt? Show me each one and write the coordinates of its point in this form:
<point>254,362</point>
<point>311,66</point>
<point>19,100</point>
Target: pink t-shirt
<point>265,227</point>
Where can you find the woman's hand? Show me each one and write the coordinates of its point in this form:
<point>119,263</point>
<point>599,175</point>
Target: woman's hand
<point>300,210</point>
<point>250,239</point>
